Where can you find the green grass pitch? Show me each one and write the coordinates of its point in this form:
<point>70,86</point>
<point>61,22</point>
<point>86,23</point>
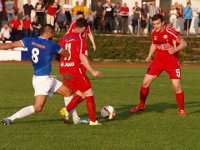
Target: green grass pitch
<point>159,127</point>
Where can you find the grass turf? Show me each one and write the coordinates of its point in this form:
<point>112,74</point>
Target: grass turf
<point>159,127</point>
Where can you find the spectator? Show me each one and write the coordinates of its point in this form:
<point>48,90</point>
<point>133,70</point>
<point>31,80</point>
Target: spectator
<point>5,33</point>
<point>187,11</point>
<point>124,18</point>
<point>180,23</point>
<point>15,24</point>
<point>90,19</point>
<point>75,9</point>
<point>40,12</point>
<point>85,8</point>
<point>36,27</point>
<point>144,18</point>
<point>1,13</point>
<point>26,26</point>
<point>98,11</point>
<point>117,18</point>
<point>61,20</point>
<point>199,24</point>
<point>173,14</point>
<point>51,13</point>
<point>27,8</point>
<point>108,15</point>
<point>136,16</point>
<point>152,11</point>
<point>68,13</point>
<point>9,6</point>
<point>161,11</point>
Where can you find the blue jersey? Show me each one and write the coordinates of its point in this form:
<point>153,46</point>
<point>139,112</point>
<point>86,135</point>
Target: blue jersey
<point>41,51</point>
<point>187,11</point>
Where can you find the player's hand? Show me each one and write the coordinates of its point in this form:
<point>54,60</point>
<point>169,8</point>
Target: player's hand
<point>94,48</point>
<point>148,59</point>
<point>172,50</point>
<point>96,73</point>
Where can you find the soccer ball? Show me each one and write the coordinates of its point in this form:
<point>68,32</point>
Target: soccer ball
<point>108,112</point>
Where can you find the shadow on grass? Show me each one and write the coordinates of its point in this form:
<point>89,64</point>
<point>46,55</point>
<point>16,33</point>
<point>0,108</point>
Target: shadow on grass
<point>39,121</point>
<point>122,112</point>
<point>121,77</point>
<point>11,107</point>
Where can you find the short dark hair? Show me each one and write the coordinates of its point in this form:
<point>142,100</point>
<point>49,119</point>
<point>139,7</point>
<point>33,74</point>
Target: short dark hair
<point>157,17</point>
<point>47,28</point>
<point>81,22</point>
<point>80,13</point>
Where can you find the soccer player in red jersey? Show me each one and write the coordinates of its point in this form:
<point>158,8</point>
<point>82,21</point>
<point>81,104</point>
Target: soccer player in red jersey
<point>73,76</point>
<point>87,32</point>
<point>166,43</point>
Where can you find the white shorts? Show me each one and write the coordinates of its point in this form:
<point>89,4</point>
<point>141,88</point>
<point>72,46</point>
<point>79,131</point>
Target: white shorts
<point>45,85</point>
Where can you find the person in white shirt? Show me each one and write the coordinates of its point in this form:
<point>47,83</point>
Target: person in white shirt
<point>5,33</point>
<point>173,14</point>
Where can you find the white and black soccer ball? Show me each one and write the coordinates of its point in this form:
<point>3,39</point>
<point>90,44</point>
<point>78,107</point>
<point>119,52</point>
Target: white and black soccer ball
<point>108,112</point>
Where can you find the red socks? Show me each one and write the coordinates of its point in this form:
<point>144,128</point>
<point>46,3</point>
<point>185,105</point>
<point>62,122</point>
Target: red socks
<point>91,107</point>
<point>143,95</point>
<point>90,103</point>
<point>74,102</point>
<point>180,100</point>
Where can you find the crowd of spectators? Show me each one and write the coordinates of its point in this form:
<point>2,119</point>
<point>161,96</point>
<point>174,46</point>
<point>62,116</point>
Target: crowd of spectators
<point>103,18</point>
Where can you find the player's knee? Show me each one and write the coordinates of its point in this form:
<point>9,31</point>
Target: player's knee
<point>67,92</point>
<point>177,89</point>
<point>89,92</point>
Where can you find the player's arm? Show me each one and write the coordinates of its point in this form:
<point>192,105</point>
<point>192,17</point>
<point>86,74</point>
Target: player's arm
<point>91,37</point>
<point>87,65</point>
<point>12,45</point>
<point>182,45</point>
<point>64,53</point>
<point>151,52</point>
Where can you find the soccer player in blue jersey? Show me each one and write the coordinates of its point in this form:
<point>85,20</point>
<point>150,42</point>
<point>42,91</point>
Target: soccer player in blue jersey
<point>41,50</point>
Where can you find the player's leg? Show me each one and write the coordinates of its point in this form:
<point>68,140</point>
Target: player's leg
<point>41,85</point>
<point>152,72</point>
<point>71,105</point>
<point>64,90</point>
<point>73,112</point>
<point>174,72</point>
<point>75,101</point>
<point>176,83</point>
<point>144,91</point>
<point>91,105</point>
<point>67,93</point>
<point>26,111</point>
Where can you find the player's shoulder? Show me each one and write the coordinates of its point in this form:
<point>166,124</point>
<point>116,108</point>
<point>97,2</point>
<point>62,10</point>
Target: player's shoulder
<point>71,36</point>
<point>169,29</point>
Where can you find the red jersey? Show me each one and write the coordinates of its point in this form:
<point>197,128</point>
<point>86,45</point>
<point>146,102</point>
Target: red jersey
<point>165,39</point>
<point>51,10</point>
<point>71,66</point>
<point>26,24</point>
<point>15,23</point>
<point>84,35</point>
<point>125,9</point>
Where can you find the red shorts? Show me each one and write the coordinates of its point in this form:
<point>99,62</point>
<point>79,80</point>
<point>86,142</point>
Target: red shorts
<point>171,67</point>
<point>81,83</point>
